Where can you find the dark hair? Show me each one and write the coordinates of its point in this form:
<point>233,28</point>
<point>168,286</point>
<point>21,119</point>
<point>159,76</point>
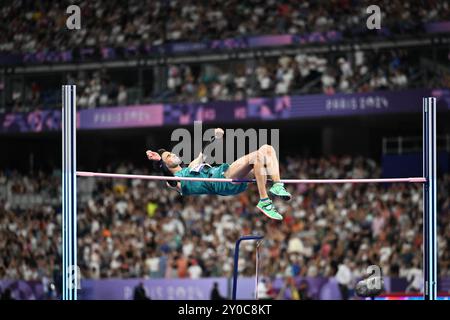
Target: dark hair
<point>161,151</point>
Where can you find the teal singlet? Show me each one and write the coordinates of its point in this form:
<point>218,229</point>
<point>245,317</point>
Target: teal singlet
<point>204,187</point>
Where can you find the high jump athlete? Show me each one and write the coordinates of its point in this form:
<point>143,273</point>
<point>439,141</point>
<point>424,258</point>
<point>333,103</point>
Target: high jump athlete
<point>259,164</point>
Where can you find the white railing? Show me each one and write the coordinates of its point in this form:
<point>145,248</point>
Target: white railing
<point>405,144</point>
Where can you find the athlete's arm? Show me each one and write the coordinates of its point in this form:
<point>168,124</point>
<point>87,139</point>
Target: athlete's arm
<point>196,161</point>
<point>218,134</point>
<point>160,165</point>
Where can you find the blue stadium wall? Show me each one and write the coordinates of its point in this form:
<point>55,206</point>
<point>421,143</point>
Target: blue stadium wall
<point>410,165</point>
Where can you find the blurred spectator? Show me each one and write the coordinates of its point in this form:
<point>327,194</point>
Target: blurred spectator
<point>194,270</point>
<point>263,290</point>
<point>344,279</point>
<point>414,276</point>
<point>303,290</point>
<point>6,295</point>
<point>288,290</point>
<point>140,293</point>
<point>215,293</point>
<point>122,96</point>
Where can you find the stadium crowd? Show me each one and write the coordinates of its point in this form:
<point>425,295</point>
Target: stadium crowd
<point>304,73</point>
<point>136,228</point>
<point>300,74</point>
<point>32,26</point>
<point>40,27</point>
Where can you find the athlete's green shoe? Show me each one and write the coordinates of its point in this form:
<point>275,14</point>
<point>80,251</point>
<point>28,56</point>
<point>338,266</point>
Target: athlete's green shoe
<point>267,207</point>
<point>278,190</point>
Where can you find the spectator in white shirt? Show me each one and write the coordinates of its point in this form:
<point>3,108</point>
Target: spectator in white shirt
<point>194,270</point>
<point>414,276</point>
<point>344,278</point>
<point>399,79</point>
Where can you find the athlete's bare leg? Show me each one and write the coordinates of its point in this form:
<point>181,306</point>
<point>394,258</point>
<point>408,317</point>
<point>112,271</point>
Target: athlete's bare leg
<point>261,163</point>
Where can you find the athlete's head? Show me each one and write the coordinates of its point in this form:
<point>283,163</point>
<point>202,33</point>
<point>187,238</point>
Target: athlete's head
<point>170,159</point>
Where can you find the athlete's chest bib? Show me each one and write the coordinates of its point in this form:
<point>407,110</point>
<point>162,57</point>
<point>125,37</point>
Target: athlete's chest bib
<point>200,169</point>
<point>195,187</point>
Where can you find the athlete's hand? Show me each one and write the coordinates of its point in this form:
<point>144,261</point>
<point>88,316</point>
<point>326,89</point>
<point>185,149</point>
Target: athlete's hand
<point>151,155</point>
<point>218,133</point>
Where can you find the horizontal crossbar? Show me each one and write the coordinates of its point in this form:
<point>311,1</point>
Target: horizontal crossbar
<point>295,181</point>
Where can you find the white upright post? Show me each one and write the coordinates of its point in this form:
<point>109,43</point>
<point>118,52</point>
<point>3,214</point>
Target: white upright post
<point>430,248</point>
<point>69,194</point>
